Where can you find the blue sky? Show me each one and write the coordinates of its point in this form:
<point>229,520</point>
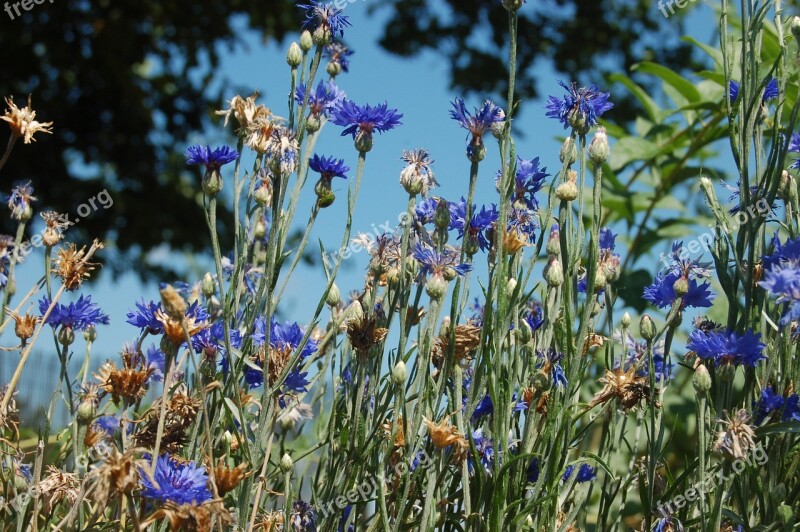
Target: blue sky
<point>419,89</point>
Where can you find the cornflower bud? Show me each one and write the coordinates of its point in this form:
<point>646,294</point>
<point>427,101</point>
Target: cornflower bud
<point>701,379</point>
<point>399,373</point>
<point>647,328</point>
<point>294,56</point>
<point>90,333</point>
<point>626,320</point>
<point>681,286</point>
<point>334,297</point>
<point>568,190</point>
<point>599,148</point>
<point>553,273</point>
<point>286,463</point>
<point>66,336</point>
<point>306,41</point>
<point>441,217</point>
<point>333,69</point>
<point>795,26</point>
<point>208,286</point>
<point>569,153</point>
<point>436,286</point>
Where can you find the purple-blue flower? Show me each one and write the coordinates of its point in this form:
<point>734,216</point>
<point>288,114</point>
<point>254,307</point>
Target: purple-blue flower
<point>479,223</point>
<point>19,201</point>
<point>662,292</point>
<point>586,473</point>
<point>78,315</point>
<point>144,317</point>
<point>580,107</point>
<point>322,100</point>
<point>303,517</point>
<point>483,408</point>
<point>296,381</point>
<point>770,91</point>
<point>211,159</point>
<point>361,121</point>
<point>726,346</point>
<point>484,119</point>
<point>528,180</point>
<point>325,16</point>
<point>338,53</point>
<point>328,167</point>
<point>794,147</point>
<point>433,262</point>
<point>173,481</point>
<point>108,424</point>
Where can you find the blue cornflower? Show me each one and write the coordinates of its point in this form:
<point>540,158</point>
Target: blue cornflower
<point>19,202</point>
<point>580,107</point>
<point>328,167</point>
<point>144,317</point>
<point>433,262</point>
<point>784,282</point>
<point>794,147</point>
<point>484,447</point>
<point>343,520</point>
<point>770,91</point>
<point>325,17</point>
<point>662,292</point>
<point>726,346</point>
<point>607,239</point>
<point>173,481</point>
<point>361,121</point>
<point>282,336</point>
<point>156,359</point>
<point>770,402</point>
<point>523,221</point>
<point>484,408</point>
<point>528,180</point>
<point>532,474</point>
<point>322,100</point>
<point>550,364</point>
<point>533,315</point>
<point>425,210</point>
<point>787,254</point>
<point>791,408</point>
<point>586,473</point>
<point>214,159</point>
<point>479,223</point>
<point>77,315</point>
<point>667,524</point>
<point>303,517</point>
<point>486,118</point>
<point>296,381</point>
<point>756,196</point>
<point>108,424</point>
<point>338,54</point>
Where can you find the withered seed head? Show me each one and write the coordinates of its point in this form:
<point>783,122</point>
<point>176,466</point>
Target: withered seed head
<point>71,267</point>
<point>24,326</point>
<point>227,479</point>
<point>468,338</point>
<point>128,383</point>
<point>625,386</point>
<point>364,333</point>
<point>22,121</point>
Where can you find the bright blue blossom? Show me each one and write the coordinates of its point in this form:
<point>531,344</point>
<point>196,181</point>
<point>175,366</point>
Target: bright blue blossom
<point>532,474</point>
<point>362,121</point>
<point>303,517</point>
<point>726,346</point>
<point>484,408</point>
<point>296,381</point>
<point>549,362</point>
<point>78,315</point>
<point>325,16</point>
<point>108,424</point>
<point>533,315</point>
<point>328,167</point>
<point>580,107</point>
<point>433,262</point>
<point>586,473</point>
<point>484,447</point>
<point>794,147</point>
<point>339,54</point>
<point>528,180</point>
<point>177,482</point>
<point>155,359</point>
<point>321,101</point>
<point>486,118</point>
<point>211,159</point>
<point>772,402</point>
<point>770,91</point>
<point>662,294</point>
<point>425,210</point>
<point>144,317</point>
<point>476,228</point>
<point>282,335</point>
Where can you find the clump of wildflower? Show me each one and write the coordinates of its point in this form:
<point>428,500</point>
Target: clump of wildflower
<point>19,202</point>
<point>362,121</point>
<point>680,275</point>
<point>476,229</point>
<point>324,21</point>
<point>579,108</point>
<point>484,119</point>
<point>328,168</point>
<point>417,177</point>
<point>23,122</point>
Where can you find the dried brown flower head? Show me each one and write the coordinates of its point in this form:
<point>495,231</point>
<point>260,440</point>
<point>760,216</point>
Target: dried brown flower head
<point>71,266</point>
<point>444,434</point>
<point>270,522</point>
<point>627,387</point>
<point>260,130</point>
<point>54,227</point>
<point>103,374</point>
<point>736,438</point>
<point>468,338</point>
<point>244,110</point>
<point>118,474</point>
<point>128,383</point>
<point>58,486</point>
<point>24,326</point>
<point>364,333</point>
<point>400,437</point>
<point>182,411</point>
<point>191,517</point>
<point>414,315</point>
<point>227,479</point>
<point>22,121</point>
<point>9,418</point>
<point>514,240</point>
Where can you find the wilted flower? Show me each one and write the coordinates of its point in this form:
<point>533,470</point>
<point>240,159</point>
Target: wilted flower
<point>627,387</point>
<point>364,333</point>
<point>72,267</point>
<point>444,434</point>
<point>24,325</point>
<point>227,479</point>
<point>736,437</point>
<point>191,517</point>
<point>54,227</point>
<point>417,177</point>
<point>467,340</point>
<point>19,202</point>
<point>22,121</point>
